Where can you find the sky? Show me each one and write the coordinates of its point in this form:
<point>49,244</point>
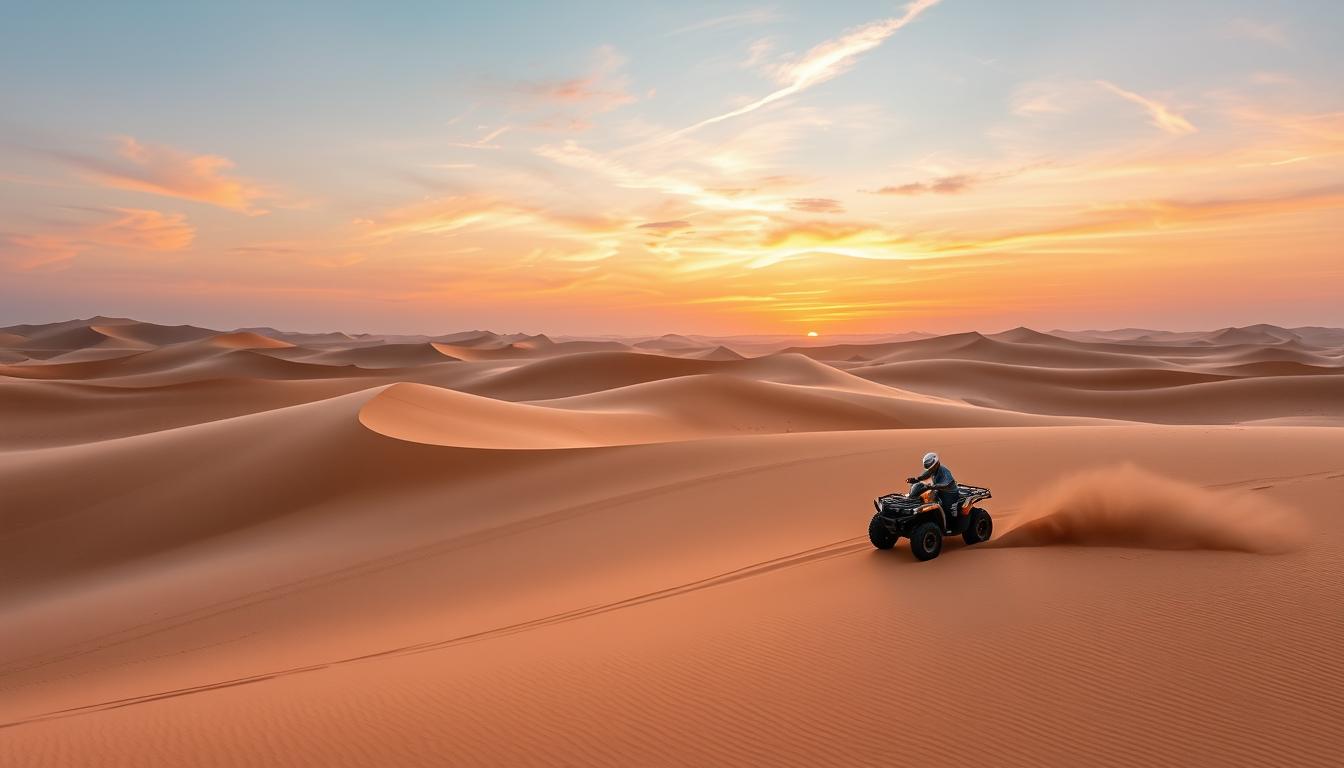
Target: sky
<point>638,168</point>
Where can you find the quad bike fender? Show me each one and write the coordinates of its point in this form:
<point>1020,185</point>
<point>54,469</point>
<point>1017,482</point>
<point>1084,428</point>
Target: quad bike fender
<point>936,510</point>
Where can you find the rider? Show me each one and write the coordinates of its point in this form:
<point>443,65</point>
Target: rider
<point>940,479</point>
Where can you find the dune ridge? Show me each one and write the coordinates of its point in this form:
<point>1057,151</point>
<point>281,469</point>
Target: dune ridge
<point>247,340</point>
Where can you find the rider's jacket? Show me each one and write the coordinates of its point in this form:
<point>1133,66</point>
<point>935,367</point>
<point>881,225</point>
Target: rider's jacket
<point>947,485</point>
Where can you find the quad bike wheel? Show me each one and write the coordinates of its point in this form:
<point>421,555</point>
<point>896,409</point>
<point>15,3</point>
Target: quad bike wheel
<point>980,527</point>
<point>880,533</point>
<point>926,541</point>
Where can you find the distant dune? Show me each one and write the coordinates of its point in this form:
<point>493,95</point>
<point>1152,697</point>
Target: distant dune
<point>720,353</point>
<point>258,547</point>
<point>247,340</point>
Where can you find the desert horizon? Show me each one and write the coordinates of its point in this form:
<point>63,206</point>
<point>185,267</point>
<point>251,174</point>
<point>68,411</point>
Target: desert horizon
<point>714,383</point>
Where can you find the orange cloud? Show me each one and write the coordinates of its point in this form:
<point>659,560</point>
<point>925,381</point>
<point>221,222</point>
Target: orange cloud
<point>162,170</point>
<point>132,229</point>
<point>604,89</point>
<point>956,183</point>
<point>1151,217</point>
<point>144,230</point>
<point>666,226</point>
<point>25,253</point>
<point>944,185</point>
<point>816,205</point>
<point>1159,114</point>
<point>448,215</point>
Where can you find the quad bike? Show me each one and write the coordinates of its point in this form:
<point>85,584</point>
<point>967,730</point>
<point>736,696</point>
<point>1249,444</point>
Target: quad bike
<point>924,521</point>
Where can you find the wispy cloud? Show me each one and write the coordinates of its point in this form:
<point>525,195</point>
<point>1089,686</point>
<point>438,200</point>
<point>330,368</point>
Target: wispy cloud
<point>1147,218</point>
<point>486,141</point>
<point>666,226</point>
<point>747,18</point>
<point>443,216</point>
<point>138,229</point>
<point>757,52</point>
<point>1251,29</point>
<point>1158,113</point>
<point>823,62</point>
<point>603,89</point>
<point>943,185</point>
<point>1040,97</point>
<point>122,229</point>
<point>163,170</point>
<point>952,183</point>
<point>816,205</point>
<point>630,177</point>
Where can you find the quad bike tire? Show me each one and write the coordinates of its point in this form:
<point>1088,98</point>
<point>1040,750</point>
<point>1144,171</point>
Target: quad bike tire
<point>926,541</point>
<point>880,534</point>
<point>979,528</point>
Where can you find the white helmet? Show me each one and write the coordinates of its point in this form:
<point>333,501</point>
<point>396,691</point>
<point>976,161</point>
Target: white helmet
<point>930,460</point>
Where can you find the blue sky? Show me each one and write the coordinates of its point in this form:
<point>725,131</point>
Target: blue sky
<point>442,164</point>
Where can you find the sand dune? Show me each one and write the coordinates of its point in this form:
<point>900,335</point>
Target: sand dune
<point>81,337</point>
<point>153,334</point>
<point>1252,334</point>
<point>776,583</point>
<point>577,374</point>
<point>671,342</point>
<point>247,340</point>
<point>719,403</point>
<point>309,339</point>
<point>974,346</point>
<point>683,408</point>
<point>1156,395</point>
<point>267,548</point>
<point>109,332</point>
<point>470,339</point>
<point>192,361</point>
<point>423,414</point>
<point>39,414</point>
<point>720,353</point>
<point>384,356</point>
<point>475,354</point>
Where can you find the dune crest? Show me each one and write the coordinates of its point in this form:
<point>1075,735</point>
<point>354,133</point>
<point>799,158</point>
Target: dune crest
<point>1125,506</point>
<point>247,340</point>
<point>420,413</point>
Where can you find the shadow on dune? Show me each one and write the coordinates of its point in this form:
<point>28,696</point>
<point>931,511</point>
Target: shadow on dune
<point>1125,506</point>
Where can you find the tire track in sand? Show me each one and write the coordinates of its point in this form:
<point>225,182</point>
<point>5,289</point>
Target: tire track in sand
<point>817,554</point>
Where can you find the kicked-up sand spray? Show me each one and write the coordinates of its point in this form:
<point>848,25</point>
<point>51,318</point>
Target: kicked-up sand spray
<point>1125,506</point>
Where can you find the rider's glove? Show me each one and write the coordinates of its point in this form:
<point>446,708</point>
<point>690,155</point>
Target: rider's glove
<point>911,480</point>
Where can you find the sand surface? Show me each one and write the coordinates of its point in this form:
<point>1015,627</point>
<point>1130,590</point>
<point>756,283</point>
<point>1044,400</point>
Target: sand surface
<point>266,548</point>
